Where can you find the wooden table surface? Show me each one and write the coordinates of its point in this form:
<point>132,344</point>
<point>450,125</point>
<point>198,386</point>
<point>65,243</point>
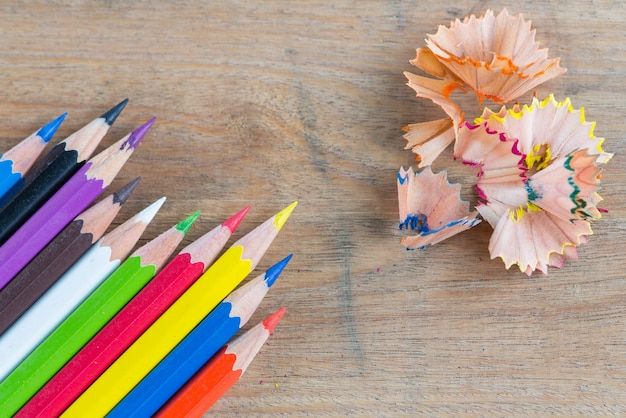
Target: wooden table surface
<point>268,102</point>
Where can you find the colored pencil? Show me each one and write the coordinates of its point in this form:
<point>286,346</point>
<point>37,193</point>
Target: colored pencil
<point>83,188</point>
<point>197,348</point>
<point>15,163</point>
<point>220,373</point>
<point>47,176</point>
<point>58,256</point>
<point>71,289</point>
<point>83,134</point>
<point>179,319</point>
<point>130,322</point>
<point>89,317</point>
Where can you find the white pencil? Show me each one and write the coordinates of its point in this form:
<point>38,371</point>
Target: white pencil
<point>71,289</point>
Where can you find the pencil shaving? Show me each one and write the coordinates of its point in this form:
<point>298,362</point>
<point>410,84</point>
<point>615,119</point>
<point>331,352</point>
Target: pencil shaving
<point>429,139</point>
<point>538,180</point>
<point>432,207</point>
<point>538,165</point>
<point>495,56</point>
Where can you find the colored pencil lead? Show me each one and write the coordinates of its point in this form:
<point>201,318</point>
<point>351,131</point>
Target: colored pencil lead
<point>76,194</point>
<point>187,223</point>
<point>273,272</point>
<point>179,319</point>
<point>47,132</point>
<point>271,321</point>
<point>110,115</point>
<point>71,289</point>
<point>122,195</point>
<point>233,222</point>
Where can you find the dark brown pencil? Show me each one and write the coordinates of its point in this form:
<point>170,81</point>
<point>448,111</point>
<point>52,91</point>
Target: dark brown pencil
<point>58,256</point>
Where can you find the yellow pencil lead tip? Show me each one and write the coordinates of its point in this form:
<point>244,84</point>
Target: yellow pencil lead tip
<point>281,217</point>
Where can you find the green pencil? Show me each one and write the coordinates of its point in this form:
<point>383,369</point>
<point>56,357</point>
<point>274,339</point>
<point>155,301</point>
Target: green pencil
<point>87,319</point>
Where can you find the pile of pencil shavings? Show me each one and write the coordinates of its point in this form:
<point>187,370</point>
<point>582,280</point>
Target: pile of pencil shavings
<point>89,328</point>
<point>538,164</point>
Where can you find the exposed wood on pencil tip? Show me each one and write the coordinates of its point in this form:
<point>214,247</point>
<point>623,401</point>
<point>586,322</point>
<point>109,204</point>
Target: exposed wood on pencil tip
<point>24,156</point>
<point>206,248</point>
<point>157,251</point>
<point>233,222</point>
<point>99,216</point>
<point>256,242</point>
<point>124,193</point>
<point>111,115</point>
<point>247,346</point>
<point>47,132</point>
<point>123,238</point>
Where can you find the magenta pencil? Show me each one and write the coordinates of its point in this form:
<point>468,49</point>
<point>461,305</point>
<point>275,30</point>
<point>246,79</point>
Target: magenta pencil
<point>79,192</point>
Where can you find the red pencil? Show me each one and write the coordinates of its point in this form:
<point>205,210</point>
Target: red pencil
<point>130,322</point>
<point>220,373</point>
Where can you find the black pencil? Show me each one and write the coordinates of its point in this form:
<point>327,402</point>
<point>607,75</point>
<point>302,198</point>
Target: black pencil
<point>58,256</point>
<point>53,171</point>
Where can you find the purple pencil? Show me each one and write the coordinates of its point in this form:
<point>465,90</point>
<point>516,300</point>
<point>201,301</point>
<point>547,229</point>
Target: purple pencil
<point>76,194</point>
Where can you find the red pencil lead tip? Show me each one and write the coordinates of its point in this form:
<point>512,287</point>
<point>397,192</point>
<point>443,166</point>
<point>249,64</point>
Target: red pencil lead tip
<point>233,222</point>
<point>271,321</point>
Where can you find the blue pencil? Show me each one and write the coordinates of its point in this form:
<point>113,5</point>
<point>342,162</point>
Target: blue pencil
<point>18,160</point>
<point>197,347</point>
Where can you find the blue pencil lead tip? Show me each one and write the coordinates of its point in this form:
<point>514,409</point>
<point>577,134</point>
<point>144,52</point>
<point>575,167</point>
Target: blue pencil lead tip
<point>47,132</point>
<point>273,272</point>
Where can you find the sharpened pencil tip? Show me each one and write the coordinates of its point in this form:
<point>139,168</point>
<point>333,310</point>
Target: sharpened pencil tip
<point>273,272</point>
<point>137,135</point>
<point>124,193</point>
<point>148,213</point>
<point>271,321</point>
<point>184,225</point>
<point>47,132</point>
<point>233,222</point>
<point>282,216</point>
<point>110,115</point>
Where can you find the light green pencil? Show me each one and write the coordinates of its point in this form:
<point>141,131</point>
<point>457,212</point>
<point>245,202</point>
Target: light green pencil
<point>88,318</point>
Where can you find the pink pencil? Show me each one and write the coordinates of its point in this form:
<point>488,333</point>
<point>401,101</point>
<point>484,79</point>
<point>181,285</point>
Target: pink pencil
<point>130,322</point>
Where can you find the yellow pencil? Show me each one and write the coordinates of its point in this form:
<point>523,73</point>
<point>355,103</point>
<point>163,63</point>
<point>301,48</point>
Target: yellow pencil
<point>175,323</point>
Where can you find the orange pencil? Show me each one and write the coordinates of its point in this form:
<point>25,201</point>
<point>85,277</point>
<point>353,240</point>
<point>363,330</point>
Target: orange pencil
<point>220,373</point>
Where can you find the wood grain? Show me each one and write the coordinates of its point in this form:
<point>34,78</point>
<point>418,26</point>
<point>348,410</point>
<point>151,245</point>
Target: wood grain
<point>263,103</point>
